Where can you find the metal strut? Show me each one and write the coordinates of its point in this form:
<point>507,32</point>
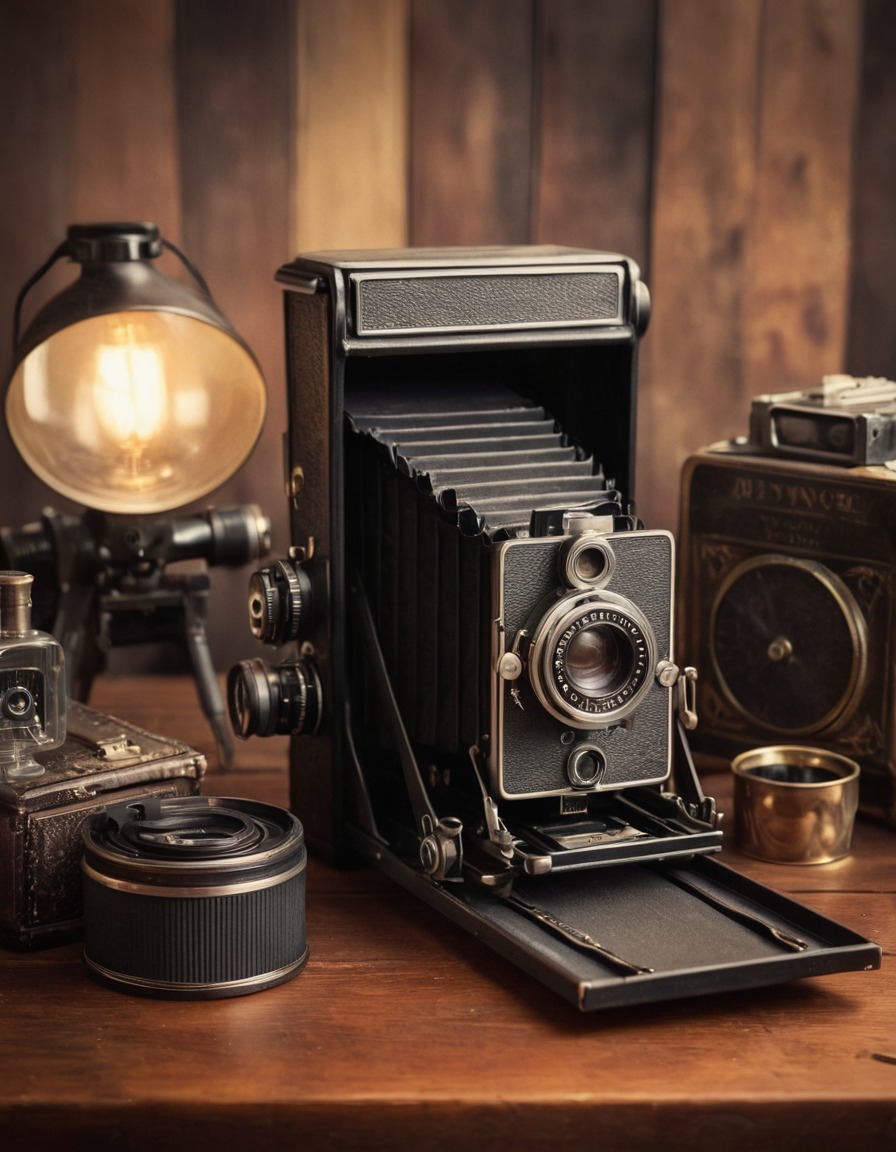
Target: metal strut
<point>441,854</point>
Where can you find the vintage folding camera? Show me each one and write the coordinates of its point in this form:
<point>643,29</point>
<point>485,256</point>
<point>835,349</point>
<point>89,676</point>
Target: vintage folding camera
<point>478,673</point>
<point>788,579</point>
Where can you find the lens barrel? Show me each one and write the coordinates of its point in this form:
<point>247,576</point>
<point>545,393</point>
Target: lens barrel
<point>281,700</point>
<point>591,659</point>
<point>194,897</point>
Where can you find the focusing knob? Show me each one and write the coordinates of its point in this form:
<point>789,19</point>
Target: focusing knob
<point>279,602</point>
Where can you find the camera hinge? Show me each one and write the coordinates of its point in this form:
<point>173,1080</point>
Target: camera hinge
<point>498,840</point>
<point>497,835</point>
<point>684,680</point>
<point>691,800</point>
<point>440,846</point>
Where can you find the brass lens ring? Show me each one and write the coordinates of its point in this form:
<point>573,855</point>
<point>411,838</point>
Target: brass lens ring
<point>591,659</point>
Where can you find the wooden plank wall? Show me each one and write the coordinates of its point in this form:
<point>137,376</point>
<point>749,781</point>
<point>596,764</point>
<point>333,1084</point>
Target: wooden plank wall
<point>740,150</point>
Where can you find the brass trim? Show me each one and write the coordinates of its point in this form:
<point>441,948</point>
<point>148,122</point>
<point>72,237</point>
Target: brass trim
<point>190,892</point>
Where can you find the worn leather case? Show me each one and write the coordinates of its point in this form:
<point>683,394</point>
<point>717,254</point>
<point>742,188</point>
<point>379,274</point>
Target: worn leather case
<point>104,761</point>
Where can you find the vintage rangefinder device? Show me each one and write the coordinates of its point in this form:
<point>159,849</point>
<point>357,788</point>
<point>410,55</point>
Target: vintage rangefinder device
<point>788,585</point>
<point>479,675</point>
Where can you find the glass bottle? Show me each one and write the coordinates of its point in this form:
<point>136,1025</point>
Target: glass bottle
<point>32,683</point>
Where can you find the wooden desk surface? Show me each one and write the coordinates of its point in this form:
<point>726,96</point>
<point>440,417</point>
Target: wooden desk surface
<point>405,1032</point>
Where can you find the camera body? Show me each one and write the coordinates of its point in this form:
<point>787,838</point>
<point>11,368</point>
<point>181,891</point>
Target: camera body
<point>477,618</point>
<point>788,579</point>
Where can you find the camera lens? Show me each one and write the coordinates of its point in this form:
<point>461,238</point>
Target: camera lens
<point>585,562</point>
<point>17,704</point>
<point>20,696</point>
<point>590,564</point>
<point>238,534</point>
<point>279,602</point>
<point>599,660</point>
<point>194,897</point>
<point>591,659</point>
<point>266,700</point>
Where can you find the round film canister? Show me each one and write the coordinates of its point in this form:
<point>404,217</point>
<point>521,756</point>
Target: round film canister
<point>793,804</point>
<point>194,897</point>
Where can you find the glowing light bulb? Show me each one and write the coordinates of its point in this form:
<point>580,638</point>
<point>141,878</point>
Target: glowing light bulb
<point>129,392</point>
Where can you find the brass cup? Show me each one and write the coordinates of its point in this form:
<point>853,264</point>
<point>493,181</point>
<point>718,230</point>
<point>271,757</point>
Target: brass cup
<point>794,805</point>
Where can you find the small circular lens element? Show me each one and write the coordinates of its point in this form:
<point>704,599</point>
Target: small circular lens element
<point>585,766</point>
<point>599,660</point>
<point>586,561</point>
<point>17,704</point>
<point>590,564</point>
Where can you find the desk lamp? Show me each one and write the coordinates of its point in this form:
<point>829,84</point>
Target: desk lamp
<point>132,395</point>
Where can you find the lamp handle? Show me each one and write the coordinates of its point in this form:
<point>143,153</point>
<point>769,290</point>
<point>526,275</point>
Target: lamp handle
<point>190,267</point>
<point>59,252</point>
<point>68,248</point>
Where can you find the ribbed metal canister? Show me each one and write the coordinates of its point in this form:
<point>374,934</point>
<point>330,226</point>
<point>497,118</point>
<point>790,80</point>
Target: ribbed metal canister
<point>194,897</point>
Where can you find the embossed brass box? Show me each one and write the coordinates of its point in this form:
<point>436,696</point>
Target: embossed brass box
<point>786,605</point>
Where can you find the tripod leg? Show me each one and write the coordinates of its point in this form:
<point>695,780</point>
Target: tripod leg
<point>210,696</point>
<point>76,628</point>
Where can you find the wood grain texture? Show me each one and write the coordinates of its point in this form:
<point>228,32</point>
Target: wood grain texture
<point>593,164</point>
<point>123,136</point>
<point>872,334</point>
<point>472,102</point>
<point>405,1032</point>
<point>799,252</point>
<point>233,82</point>
<point>704,188</point>
<point>751,234</point>
<point>36,80</point>
<point>351,125</point>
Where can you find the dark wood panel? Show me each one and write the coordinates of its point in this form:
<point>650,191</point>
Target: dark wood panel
<point>593,167</point>
<point>798,261</point>
<point>123,161</point>
<point>350,187</point>
<point>704,184</point>
<point>233,87</point>
<point>872,334</point>
<point>751,219</point>
<point>471,121</point>
<point>36,78</point>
